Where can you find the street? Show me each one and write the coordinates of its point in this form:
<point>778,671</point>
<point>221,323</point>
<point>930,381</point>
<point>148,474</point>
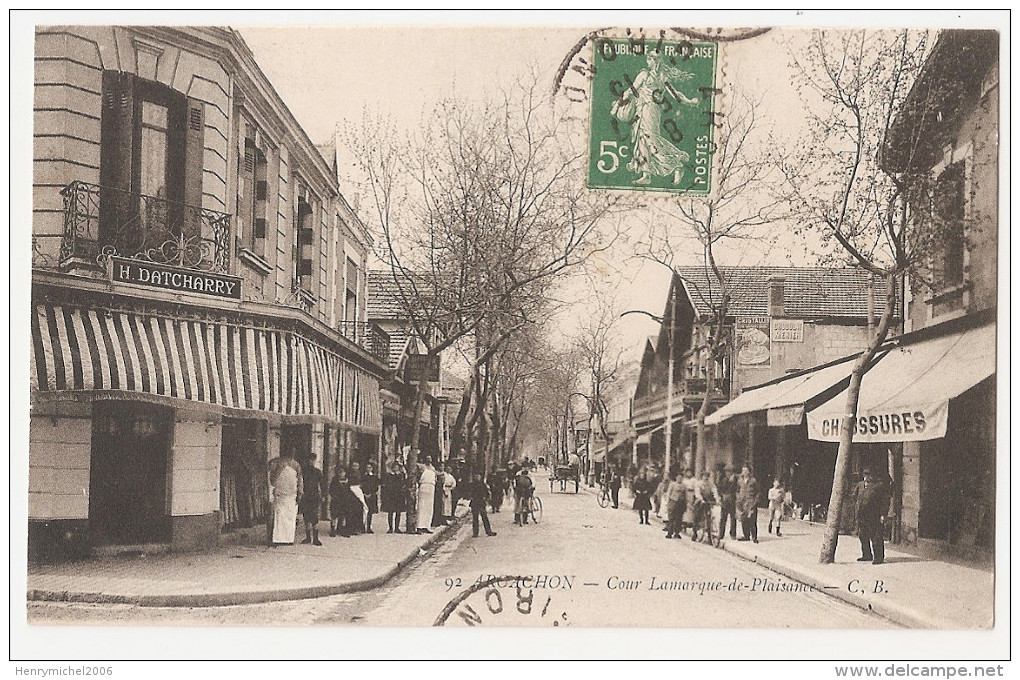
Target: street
<point>581,566</point>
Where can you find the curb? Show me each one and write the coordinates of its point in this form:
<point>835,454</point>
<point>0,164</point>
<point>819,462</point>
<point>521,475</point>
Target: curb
<point>891,611</point>
<point>234,598</point>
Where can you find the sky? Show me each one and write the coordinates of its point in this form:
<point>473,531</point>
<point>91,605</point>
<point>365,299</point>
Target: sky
<point>339,75</point>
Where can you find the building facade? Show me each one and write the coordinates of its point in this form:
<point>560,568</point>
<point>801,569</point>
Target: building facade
<point>198,293</point>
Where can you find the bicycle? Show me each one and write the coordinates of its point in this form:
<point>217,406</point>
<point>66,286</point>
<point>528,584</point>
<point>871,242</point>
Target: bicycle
<point>604,497</point>
<point>534,509</point>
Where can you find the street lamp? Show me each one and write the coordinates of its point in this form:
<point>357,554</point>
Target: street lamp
<point>669,380</point>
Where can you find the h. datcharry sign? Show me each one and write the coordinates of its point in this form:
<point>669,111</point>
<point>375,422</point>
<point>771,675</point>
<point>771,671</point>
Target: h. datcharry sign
<point>174,279</point>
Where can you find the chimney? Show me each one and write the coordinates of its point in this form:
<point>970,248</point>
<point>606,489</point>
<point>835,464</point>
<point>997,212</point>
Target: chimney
<point>777,292</point>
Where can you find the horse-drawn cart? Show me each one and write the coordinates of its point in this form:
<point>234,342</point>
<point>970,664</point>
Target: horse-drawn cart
<point>563,475</point>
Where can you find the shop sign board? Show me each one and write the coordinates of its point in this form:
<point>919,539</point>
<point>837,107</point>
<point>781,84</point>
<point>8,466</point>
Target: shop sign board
<point>787,330</point>
<point>916,423</point>
<point>174,279</point>
<point>753,342</point>
<point>418,365</point>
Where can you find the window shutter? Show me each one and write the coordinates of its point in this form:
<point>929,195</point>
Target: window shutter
<point>115,154</point>
<point>245,192</point>
<point>194,164</point>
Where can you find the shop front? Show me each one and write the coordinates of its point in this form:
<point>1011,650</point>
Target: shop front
<point>152,424</point>
<point>927,411</point>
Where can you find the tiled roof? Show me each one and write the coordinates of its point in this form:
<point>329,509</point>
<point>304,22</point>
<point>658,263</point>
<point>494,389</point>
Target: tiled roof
<point>811,292</point>
<point>398,343</point>
<point>383,297</point>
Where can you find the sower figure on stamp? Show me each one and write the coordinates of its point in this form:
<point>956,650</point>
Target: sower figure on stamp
<point>872,495</point>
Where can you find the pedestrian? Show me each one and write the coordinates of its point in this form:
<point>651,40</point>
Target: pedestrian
<point>354,476</point>
<point>615,482</point>
<point>524,488</point>
<point>438,519</point>
<point>689,484</point>
<point>392,496</point>
<point>478,494</point>
<point>661,488</point>
<point>352,506</point>
<point>705,498</point>
<point>449,489</point>
<point>285,488</point>
<point>337,487</point>
<point>777,503</point>
<point>727,486</point>
<point>676,505</point>
<point>872,502</point>
<point>497,488</point>
<point>747,505</point>
<point>370,487</point>
<point>426,495</point>
<point>311,500</point>
<point>643,488</point>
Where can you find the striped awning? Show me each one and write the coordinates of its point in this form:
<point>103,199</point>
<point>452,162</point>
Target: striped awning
<point>94,350</point>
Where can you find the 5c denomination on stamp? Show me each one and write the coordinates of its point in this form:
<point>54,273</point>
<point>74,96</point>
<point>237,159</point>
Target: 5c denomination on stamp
<point>652,115</point>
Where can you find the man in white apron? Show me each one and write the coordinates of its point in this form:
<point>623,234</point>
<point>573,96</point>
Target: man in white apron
<point>426,496</point>
<point>284,493</point>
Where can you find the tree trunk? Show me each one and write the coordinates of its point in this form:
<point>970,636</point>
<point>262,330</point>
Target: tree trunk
<point>831,535</point>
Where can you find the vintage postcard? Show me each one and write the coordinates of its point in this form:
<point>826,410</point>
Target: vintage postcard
<point>672,326</point>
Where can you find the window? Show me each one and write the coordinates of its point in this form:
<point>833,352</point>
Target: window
<point>151,163</point>
<point>351,299</point>
<point>304,227</point>
<point>950,207</point>
<point>252,191</point>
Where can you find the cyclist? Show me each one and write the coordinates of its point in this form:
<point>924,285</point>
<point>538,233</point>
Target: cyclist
<point>524,489</point>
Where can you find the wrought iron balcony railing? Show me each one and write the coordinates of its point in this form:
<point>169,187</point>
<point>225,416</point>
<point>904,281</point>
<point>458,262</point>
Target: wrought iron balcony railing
<point>368,336</point>
<point>101,222</point>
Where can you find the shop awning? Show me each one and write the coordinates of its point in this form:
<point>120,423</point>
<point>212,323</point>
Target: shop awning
<point>782,399</point>
<point>905,396</point>
<point>106,353</point>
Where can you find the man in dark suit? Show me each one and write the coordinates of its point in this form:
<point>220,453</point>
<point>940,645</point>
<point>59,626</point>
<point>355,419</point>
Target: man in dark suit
<point>477,492</point>
<point>872,496</point>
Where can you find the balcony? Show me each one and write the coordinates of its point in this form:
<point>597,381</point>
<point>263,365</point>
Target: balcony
<point>689,392</point>
<point>102,222</point>
<point>368,336</point>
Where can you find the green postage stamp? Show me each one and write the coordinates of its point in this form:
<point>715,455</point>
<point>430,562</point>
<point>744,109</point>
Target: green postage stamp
<point>652,115</point>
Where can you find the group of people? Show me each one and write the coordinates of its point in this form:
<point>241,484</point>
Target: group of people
<point>355,497</point>
<point>704,504</point>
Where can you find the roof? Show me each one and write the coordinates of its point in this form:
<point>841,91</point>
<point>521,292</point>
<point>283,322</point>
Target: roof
<point>810,292</point>
<point>383,298</point>
<point>950,78</point>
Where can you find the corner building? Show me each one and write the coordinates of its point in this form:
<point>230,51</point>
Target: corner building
<point>198,293</point>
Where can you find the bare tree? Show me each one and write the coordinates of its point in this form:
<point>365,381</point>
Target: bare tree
<point>700,228</point>
<point>600,358</point>
<point>478,216</point>
<point>870,211</point>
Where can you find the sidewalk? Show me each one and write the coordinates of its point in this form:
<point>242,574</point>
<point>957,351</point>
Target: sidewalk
<point>241,573</point>
<point>914,591</point>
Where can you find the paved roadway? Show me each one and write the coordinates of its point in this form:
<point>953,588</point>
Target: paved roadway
<point>581,566</point>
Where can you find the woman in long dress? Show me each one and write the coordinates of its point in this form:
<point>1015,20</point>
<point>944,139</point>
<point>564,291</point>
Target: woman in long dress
<point>449,484</point>
<point>426,496</point>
